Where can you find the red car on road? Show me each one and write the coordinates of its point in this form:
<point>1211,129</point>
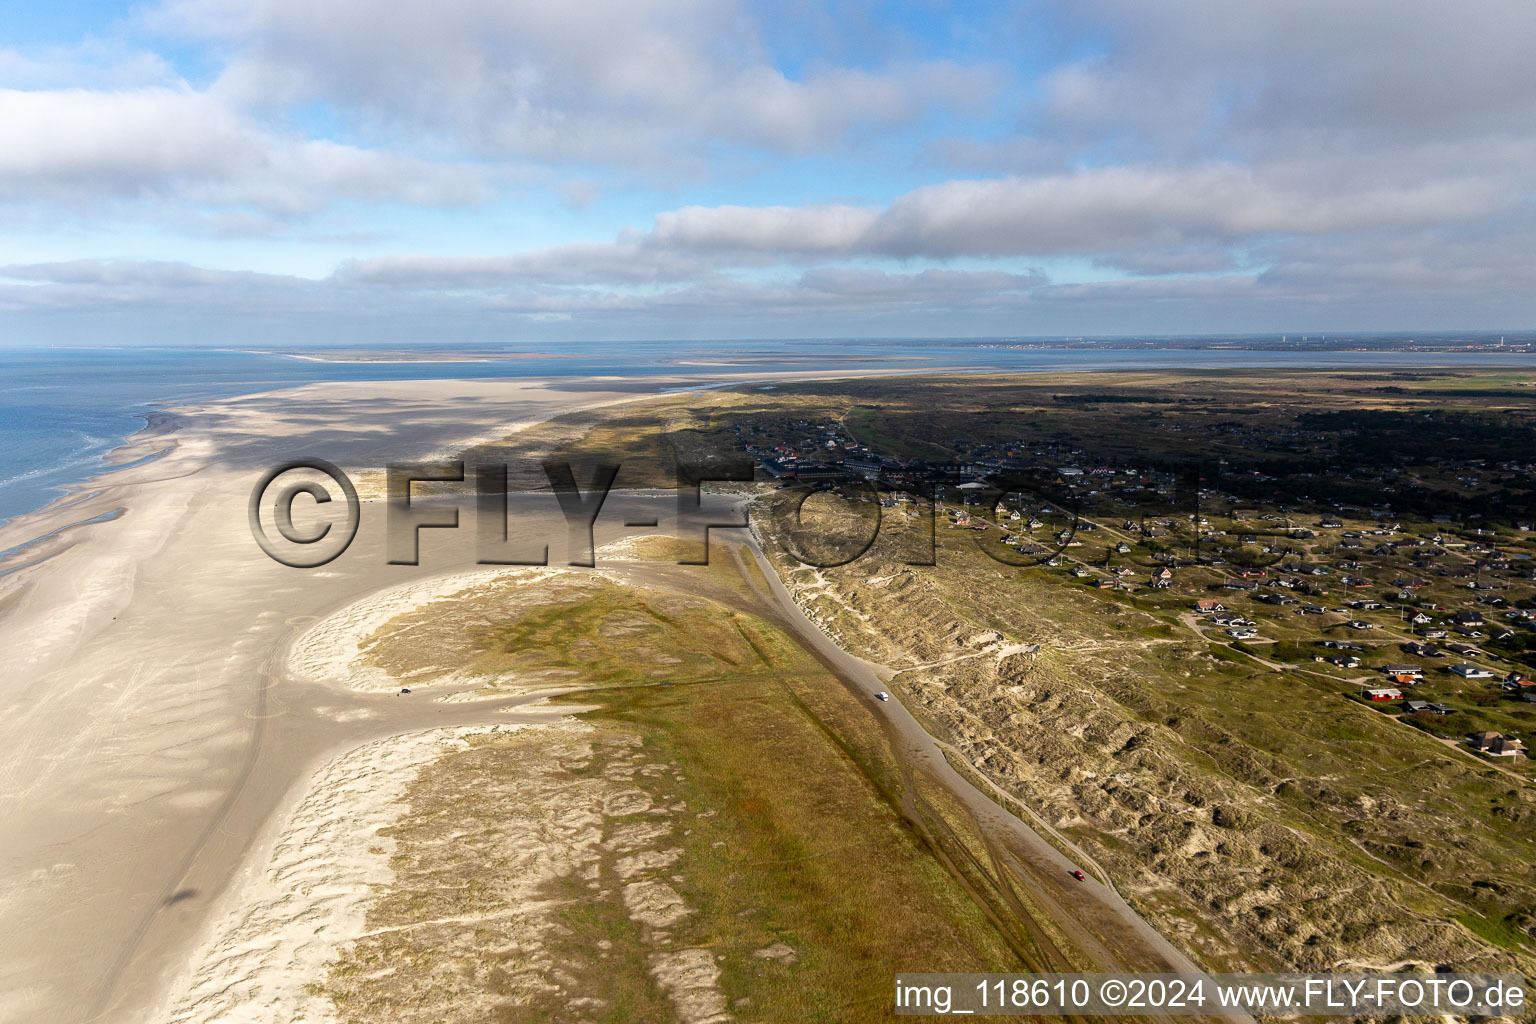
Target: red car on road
<point>1079,876</point>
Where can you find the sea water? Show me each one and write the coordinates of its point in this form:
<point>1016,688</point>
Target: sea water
<point>62,410</point>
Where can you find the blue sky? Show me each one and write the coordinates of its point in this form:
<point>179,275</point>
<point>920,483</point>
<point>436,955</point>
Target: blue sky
<point>282,171</point>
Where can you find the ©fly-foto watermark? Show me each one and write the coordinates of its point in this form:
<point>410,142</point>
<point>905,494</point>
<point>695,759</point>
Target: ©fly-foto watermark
<point>280,487</point>
<point>274,497</point>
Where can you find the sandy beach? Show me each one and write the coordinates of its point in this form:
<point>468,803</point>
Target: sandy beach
<point>151,732</point>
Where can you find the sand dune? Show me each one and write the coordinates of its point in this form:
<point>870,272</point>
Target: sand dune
<point>302,894</point>
<point>331,651</point>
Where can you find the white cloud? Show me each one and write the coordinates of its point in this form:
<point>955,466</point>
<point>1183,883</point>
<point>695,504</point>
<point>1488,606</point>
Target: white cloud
<point>573,264</point>
<point>119,143</point>
<point>385,287</point>
<point>93,64</point>
<point>1083,212</point>
<point>85,146</point>
<point>156,286</point>
<point>924,287</point>
<point>835,229</point>
<point>1301,152</point>
<point>1267,75</point>
<point>1320,286</point>
<point>626,81</point>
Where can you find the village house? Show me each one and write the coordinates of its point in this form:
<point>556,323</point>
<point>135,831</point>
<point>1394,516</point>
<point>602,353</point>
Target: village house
<point>1495,744</point>
<point>1429,706</point>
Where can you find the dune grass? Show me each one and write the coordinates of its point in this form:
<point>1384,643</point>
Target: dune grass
<point>772,780</point>
<point>802,848</point>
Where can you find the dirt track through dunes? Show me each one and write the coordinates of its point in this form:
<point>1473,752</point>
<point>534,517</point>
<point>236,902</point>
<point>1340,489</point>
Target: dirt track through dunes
<point>1108,934</point>
<point>1242,812</point>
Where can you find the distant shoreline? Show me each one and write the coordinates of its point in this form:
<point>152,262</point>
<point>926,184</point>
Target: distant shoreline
<point>48,482</point>
<point>399,356</point>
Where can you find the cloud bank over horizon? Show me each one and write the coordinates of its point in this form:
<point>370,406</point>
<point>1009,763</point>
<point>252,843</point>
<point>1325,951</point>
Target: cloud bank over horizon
<point>241,171</point>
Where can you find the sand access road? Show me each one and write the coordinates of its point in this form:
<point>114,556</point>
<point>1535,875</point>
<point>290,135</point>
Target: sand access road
<point>1094,917</point>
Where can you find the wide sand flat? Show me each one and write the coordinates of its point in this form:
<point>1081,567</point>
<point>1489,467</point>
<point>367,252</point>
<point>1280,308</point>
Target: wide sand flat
<point>149,726</point>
